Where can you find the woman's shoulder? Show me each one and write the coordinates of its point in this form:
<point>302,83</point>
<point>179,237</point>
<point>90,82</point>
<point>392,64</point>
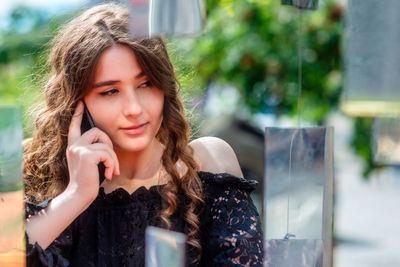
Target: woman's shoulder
<point>219,168</point>
<point>214,155</point>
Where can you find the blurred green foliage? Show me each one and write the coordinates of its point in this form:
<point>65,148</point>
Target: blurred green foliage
<point>361,143</point>
<point>23,53</point>
<point>251,45</point>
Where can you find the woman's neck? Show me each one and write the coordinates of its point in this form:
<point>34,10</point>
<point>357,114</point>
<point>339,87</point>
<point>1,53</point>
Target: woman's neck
<point>141,167</point>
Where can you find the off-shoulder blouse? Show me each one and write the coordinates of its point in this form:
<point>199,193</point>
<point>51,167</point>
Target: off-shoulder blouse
<point>111,231</point>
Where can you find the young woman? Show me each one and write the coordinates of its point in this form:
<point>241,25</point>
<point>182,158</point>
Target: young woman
<point>154,176</point>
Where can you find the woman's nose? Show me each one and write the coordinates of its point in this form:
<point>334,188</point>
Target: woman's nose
<point>132,104</point>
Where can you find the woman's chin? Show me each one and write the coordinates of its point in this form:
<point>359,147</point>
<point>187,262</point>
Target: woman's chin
<point>133,145</point>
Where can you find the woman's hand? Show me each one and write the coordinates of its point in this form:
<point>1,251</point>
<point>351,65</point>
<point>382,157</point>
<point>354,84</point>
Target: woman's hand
<point>84,153</point>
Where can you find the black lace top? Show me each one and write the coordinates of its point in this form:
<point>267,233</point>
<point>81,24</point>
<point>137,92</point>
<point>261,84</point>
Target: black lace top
<point>111,231</point>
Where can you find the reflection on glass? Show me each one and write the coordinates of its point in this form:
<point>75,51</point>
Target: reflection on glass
<point>294,253</point>
<point>386,140</point>
<point>12,251</point>
<point>372,58</point>
<point>166,17</point>
<point>164,248</point>
<point>139,17</point>
<point>302,4</point>
<point>176,17</point>
<point>298,196</point>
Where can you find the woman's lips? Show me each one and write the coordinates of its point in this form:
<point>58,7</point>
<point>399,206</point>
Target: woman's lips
<point>135,129</point>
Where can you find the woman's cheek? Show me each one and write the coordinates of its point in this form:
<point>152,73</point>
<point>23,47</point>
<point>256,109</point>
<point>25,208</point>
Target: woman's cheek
<point>153,99</point>
<point>107,116</point>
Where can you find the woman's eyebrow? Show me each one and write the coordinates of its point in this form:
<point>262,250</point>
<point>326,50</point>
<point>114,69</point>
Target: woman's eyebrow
<point>111,82</point>
<point>105,83</point>
<point>140,75</point>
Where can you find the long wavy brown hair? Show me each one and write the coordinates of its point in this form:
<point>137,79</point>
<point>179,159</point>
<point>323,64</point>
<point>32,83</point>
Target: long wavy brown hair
<point>72,61</point>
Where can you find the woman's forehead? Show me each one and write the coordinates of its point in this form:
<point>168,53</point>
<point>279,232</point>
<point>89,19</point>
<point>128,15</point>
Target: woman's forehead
<point>117,62</point>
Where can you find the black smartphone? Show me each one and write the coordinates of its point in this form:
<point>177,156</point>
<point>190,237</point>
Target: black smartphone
<point>87,124</point>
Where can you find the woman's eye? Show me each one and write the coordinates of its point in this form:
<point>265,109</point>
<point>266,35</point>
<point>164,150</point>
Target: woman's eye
<point>144,84</point>
<point>109,92</point>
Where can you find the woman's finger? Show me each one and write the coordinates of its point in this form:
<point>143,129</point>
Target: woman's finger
<point>108,162</point>
<point>74,131</point>
<point>95,135</point>
<point>111,153</point>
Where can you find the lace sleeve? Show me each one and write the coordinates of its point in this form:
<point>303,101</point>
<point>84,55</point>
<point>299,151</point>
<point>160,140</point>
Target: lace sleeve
<point>235,237</point>
<point>53,255</point>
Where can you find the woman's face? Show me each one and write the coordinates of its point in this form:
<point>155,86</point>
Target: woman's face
<point>123,102</point>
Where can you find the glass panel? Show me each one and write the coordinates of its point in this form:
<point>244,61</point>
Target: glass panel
<point>176,17</point>
<point>386,140</point>
<point>139,19</point>
<point>303,4</point>
<point>372,58</point>
<point>294,253</point>
<point>12,245</point>
<point>298,195</point>
<point>164,248</point>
